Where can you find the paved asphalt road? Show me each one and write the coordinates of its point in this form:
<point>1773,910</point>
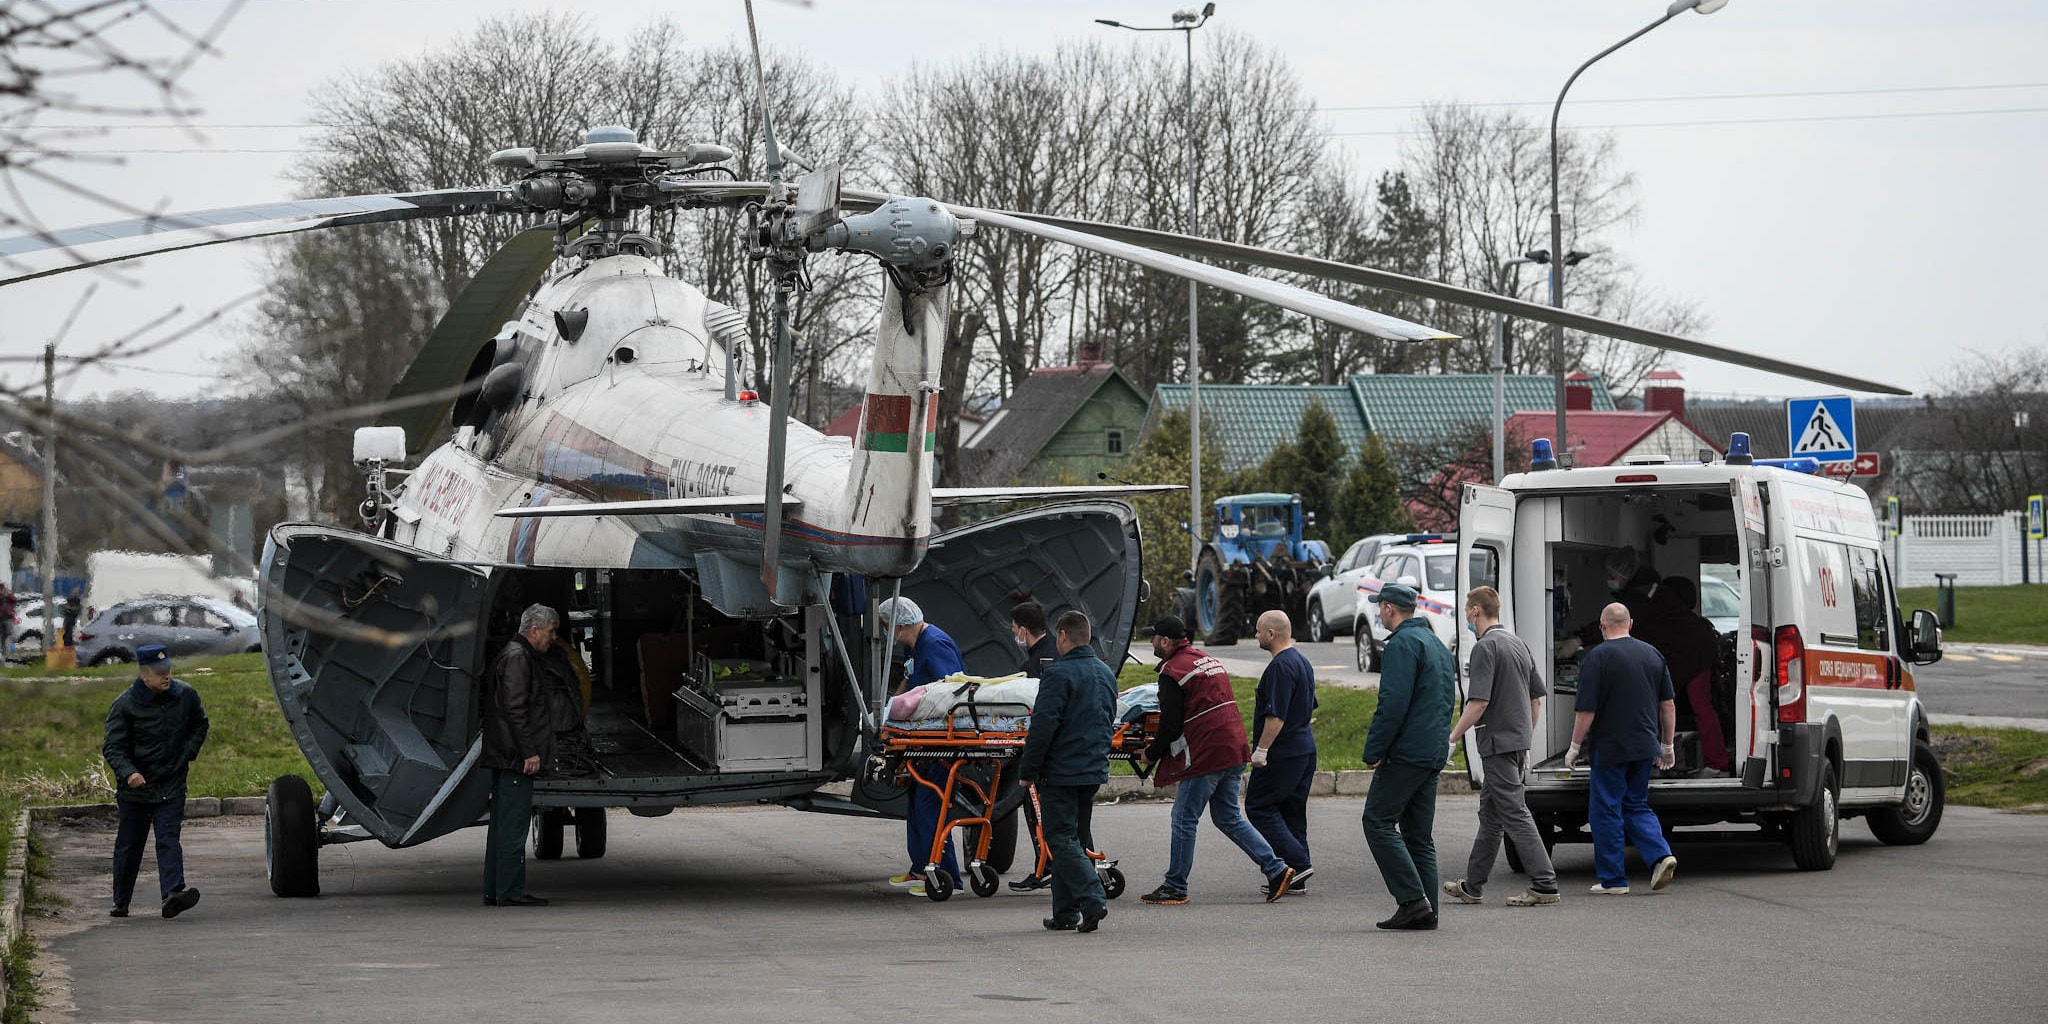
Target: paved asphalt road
<point>761,914</point>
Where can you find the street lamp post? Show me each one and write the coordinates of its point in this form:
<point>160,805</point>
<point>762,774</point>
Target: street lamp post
<point>1186,22</point>
<point>1676,8</point>
<point>1499,365</point>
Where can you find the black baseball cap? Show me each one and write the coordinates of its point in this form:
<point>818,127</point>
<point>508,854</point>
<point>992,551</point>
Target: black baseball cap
<point>1168,626</point>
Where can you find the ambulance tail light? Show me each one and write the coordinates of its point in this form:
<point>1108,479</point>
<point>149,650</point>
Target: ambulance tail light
<point>1791,651</point>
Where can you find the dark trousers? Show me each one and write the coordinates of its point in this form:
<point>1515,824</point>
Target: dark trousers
<point>137,819</point>
<point>1276,801</point>
<point>505,849</point>
<point>922,826</point>
<point>1076,891</point>
<point>1400,816</point>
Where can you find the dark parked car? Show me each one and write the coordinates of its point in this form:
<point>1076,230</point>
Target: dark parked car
<point>186,625</point>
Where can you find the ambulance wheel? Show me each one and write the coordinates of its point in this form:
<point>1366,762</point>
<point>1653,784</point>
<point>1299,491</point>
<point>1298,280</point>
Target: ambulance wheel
<point>548,825</point>
<point>1913,822</point>
<point>590,831</point>
<point>938,885</point>
<point>291,838</point>
<point>982,879</point>
<point>1112,883</point>
<point>1817,829</point>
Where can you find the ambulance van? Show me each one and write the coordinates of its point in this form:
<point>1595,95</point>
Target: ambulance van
<point>1813,689</point>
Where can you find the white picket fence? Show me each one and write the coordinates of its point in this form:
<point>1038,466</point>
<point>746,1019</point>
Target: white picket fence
<point>1981,550</point>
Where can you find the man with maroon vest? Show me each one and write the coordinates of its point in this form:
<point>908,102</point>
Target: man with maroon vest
<point>1201,746</point>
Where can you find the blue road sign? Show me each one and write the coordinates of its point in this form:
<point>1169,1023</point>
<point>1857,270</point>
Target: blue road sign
<point>1822,428</point>
<point>1892,517</point>
<point>2034,524</point>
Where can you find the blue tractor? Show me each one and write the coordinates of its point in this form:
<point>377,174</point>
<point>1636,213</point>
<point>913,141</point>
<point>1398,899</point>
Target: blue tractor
<point>1256,561</point>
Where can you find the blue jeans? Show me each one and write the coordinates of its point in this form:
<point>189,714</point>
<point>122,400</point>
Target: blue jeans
<point>137,819</point>
<point>1218,791</point>
<point>1618,814</point>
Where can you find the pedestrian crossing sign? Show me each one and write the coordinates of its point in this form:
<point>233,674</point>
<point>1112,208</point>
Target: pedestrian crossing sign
<point>1823,429</point>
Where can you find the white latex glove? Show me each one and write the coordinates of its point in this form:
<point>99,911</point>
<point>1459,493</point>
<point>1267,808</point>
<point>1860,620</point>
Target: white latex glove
<point>1668,758</point>
<point>1571,757</point>
<point>1456,744</point>
<point>1258,757</point>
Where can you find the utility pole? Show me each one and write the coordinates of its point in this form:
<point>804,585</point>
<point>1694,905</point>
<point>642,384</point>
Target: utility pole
<point>46,545</point>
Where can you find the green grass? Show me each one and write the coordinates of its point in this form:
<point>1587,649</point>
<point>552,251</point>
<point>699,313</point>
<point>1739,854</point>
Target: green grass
<point>1342,716</point>
<point>1990,615</point>
<point>1994,767</point>
<point>51,725</point>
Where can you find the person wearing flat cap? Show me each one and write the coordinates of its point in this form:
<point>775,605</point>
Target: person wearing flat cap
<point>1405,747</point>
<point>153,734</point>
<point>933,656</point>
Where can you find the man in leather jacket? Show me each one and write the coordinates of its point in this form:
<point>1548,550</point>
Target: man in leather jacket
<point>517,736</point>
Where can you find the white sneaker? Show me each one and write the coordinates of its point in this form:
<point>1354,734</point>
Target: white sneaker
<point>1603,890</point>
<point>1661,872</point>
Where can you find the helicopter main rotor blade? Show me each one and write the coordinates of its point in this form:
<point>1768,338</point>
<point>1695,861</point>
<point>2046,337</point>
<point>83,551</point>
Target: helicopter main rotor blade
<point>1428,289</point>
<point>1286,296</point>
<point>491,298</point>
<point>41,253</point>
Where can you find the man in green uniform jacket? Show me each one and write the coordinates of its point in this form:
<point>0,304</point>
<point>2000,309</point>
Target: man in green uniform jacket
<point>1405,747</point>
<point>1066,755</point>
<point>153,734</point>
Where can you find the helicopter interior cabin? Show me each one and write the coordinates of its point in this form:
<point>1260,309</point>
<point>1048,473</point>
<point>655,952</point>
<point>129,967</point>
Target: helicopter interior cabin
<point>670,688</point>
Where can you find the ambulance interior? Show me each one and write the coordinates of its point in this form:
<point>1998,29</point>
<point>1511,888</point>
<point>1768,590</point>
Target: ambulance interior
<point>1689,534</point>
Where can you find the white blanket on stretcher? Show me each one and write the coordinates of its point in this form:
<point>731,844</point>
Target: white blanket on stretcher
<point>937,700</point>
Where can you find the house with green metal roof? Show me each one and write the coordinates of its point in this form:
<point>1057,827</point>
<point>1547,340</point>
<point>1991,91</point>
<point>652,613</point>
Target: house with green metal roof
<point>1063,424</point>
<point>1250,420</point>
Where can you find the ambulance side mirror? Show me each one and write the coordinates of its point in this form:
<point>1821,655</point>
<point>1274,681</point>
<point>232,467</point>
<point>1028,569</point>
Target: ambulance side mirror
<point>1926,645</point>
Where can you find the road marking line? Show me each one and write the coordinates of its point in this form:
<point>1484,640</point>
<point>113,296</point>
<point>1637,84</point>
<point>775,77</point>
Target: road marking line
<point>2003,657</point>
<point>1961,657</point>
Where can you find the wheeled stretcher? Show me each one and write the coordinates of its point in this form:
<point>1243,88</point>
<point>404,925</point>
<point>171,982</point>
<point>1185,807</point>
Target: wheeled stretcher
<point>964,757</point>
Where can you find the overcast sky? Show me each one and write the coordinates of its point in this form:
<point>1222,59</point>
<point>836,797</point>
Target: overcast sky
<point>1849,183</point>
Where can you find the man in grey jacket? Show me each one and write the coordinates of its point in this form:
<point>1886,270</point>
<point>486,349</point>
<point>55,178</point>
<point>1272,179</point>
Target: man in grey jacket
<point>1504,697</point>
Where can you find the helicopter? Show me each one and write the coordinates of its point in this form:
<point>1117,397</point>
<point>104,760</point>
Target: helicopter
<point>709,554</point>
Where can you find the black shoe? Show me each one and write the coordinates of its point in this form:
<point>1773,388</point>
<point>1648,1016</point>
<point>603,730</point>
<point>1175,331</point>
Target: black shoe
<point>1090,921</point>
<point>118,912</point>
<point>1163,896</point>
<point>490,901</point>
<point>1276,886</point>
<point>1412,916</point>
<point>1298,887</point>
<point>1054,924</point>
<point>528,900</point>
<point>1030,883</point>
<point>180,900</point>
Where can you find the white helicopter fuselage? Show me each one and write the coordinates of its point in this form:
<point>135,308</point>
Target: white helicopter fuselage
<point>634,407</point>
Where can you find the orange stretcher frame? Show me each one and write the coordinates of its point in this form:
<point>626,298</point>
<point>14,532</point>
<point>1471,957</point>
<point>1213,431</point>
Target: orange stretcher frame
<point>944,752</point>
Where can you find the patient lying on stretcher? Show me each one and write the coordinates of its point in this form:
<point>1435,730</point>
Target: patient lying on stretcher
<point>998,703</point>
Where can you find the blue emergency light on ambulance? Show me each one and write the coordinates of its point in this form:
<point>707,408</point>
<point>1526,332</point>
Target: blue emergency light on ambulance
<point>1540,456</point>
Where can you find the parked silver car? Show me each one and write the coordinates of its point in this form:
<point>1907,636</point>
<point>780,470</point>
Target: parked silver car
<point>187,626</point>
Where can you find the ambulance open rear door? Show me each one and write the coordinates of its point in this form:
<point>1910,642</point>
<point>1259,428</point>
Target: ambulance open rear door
<point>1755,663</point>
<point>1486,534</point>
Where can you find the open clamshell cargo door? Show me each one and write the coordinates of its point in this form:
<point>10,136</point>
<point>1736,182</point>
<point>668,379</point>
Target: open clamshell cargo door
<point>1074,555</point>
<point>376,653</point>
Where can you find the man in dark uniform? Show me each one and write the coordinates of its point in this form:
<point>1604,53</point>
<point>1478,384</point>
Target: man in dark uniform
<point>1027,627</point>
<point>1406,746</point>
<point>1066,755</point>
<point>516,742</point>
<point>154,731</point>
